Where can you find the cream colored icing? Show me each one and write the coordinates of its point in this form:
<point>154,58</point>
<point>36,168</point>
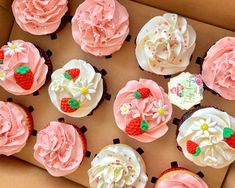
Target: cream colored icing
<point>61,87</point>
<point>117,166</point>
<point>59,148</point>
<point>39,17</point>
<point>214,151</point>
<point>165,44</point>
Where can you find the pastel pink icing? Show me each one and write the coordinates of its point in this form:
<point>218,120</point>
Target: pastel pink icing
<point>59,148</point>
<point>182,181</point>
<point>39,17</point>
<point>14,128</point>
<point>218,71</point>
<point>100,27</point>
<point>143,107</point>
<point>29,56</point>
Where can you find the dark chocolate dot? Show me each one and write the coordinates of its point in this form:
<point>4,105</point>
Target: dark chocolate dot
<point>34,132</point>
<point>53,36</point>
<point>199,60</point>
<point>108,97</point>
<point>174,164</point>
<point>30,108</point>
<point>176,121</point>
<point>49,53</point>
<point>61,119</point>
<point>9,99</point>
<point>141,68</point>
<point>116,141</point>
<point>153,180</point>
<point>70,18</point>
<point>167,76</point>
<point>200,174</point>
<point>103,72</point>
<point>140,150</point>
<point>36,93</point>
<point>108,56</point>
<point>83,129</point>
<point>128,38</point>
<point>88,154</point>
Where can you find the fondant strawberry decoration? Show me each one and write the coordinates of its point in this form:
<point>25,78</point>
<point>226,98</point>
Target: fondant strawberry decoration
<point>24,77</point>
<point>69,105</point>
<point>193,148</point>
<point>229,137</point>
<point>136,126</point>
<point>1,56</point>
<point>142,93</point>
<point>72,74</point>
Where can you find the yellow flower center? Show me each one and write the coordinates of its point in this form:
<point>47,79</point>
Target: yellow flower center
<point>84,90</point>
<point>204,127</point>
<point>161,111</point>
<point>210,161</point>
<point>2,74</point>
<point>125,109</point>
<point>56,86</point>
<point>13,46</point>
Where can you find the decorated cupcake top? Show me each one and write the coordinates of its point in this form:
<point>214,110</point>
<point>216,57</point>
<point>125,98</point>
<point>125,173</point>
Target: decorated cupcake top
<point>100,27</point>
<point>39,17</point>
<point>22,69</point>
<point>59,148</point>
<point>185,90</point>
<point>165,44</point>
<point>207,138</point>
<point>218,70</point>
<point>117,166</point>
<point>15,128</point>
<point>142,109</point>
<point>76,88</point>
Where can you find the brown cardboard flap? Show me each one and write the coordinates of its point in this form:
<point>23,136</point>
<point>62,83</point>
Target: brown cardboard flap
<point>215,12</point>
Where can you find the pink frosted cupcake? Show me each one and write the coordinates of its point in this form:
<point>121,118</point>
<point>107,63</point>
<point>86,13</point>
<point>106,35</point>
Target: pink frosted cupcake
<point>16,125</point>
<point>218,72</point>
<point>100,27</point>
<point>142,110</point>
<point>40,17</point>
<point>60,148</point>
<point>24,68</point>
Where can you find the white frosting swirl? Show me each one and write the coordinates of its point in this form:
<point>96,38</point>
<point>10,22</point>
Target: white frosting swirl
<point>62,87</point>
<point>165,44</point>
<point>117,166</point>
<point>205,127</point>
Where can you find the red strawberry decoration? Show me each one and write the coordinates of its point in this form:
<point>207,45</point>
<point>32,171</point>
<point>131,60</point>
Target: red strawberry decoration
<point>229,137</point>
<point>24,77</point>
<point>1,56</point>
<point>193,148</point>
<point>142,93</point>
<point>72,74</point>
<point>136,126</point>
<point>69,105</point>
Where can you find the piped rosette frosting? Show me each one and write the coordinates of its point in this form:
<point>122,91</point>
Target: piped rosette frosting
<point>117,166</point>
<point>218,70</point>
<point>165,44</point>
<point>60,148</point>
<point>207,137</point>
<point>22,69</point>
<point>39,17</point>
<point>100,27</point>
<point>76,89</point>
<point>142,110</point>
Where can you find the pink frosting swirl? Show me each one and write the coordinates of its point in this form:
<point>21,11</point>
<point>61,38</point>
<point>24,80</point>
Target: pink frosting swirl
<point>100,27</point>
<point>16,54</point>
<point>14,128</point>
<point>59,148</point>
<point>39,17</point>
<point>182,181</point>
<point>218,71</point>
<point>143,108</point>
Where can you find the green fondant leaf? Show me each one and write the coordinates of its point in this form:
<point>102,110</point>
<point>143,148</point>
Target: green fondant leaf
<point>144,125</point>
<point>227,133</point>
<point>73,103</point>
<point>198,151</point>
<point>1,61</point>
<point>66,75</point>
<point>137,95</point>
<point>22,69</point>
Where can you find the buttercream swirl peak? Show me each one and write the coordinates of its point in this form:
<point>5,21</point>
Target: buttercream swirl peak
<point>165,44</point>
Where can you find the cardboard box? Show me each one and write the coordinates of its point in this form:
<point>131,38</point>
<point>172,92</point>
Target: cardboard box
<point>101,126</point>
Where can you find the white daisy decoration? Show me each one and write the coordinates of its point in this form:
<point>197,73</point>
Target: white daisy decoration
<point>211,161</point>
<point>204,127</point>
<point>85,90</point>
<point>2,74</point>
<point>125,109</point>
<point>160,111</point>
<point>57,86</point>
<point>13,47</point>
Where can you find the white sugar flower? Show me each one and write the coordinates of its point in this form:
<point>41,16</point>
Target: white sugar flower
<point>13,47</point>
<point>85,90</point>
<point>125,109</point>
<point>160,111</point>
<point>57,86</point>
<point>204,127</point>
<point>2,74</point>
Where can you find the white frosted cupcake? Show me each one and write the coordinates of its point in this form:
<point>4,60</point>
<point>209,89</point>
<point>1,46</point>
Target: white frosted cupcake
<point>117,166</point>
<point>165,44</point>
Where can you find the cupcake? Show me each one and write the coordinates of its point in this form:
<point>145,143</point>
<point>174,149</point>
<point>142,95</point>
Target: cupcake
<point>24,68</point>
<point>142,110</point>
<point>117,166</point>
<point>206,137</point>
<point>218,67</point>
<point>60,148</point>
<point>185,90</point>
<point>16,125</point>
<point>179,177</point>
<point>77,88</point>
<point>165,44</point>
<point>41,17</point>
<point>100,27</point>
